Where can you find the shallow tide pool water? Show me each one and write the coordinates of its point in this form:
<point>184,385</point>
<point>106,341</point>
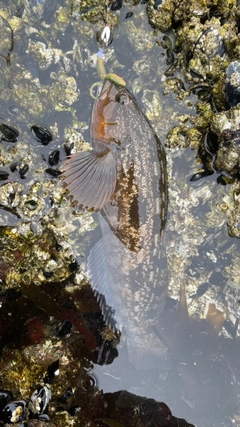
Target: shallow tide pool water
<point>48,311</point>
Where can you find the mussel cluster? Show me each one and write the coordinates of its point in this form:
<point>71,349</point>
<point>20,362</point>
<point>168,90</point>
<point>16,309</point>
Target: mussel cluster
<point>18,411</point>
<point>38,132</point>
<point>224,136</point>
<point>205,71</point>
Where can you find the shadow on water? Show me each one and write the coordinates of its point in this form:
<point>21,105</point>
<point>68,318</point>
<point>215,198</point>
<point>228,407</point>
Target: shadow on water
<point>49,315</point>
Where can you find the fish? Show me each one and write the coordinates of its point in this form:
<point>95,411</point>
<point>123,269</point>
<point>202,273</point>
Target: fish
<point>124,178</point>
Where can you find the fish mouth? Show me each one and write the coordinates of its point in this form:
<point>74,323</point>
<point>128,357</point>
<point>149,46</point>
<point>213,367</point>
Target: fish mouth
<point>106,113</point>
<point>105,90</point>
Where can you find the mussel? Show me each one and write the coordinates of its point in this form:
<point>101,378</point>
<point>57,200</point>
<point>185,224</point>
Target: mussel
<point>8,133</point>
<point>41,134</point>
<point>14,412</point>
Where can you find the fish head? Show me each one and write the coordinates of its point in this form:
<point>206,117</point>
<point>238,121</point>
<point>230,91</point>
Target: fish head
<point>91,177</point>
<point>112,113</point>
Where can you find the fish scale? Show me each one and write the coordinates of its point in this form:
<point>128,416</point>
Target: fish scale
<point>128,266</point>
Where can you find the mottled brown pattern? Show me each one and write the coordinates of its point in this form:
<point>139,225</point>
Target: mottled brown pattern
<point>126,198</point>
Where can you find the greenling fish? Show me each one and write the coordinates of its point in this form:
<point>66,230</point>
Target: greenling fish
<point>124,178</point>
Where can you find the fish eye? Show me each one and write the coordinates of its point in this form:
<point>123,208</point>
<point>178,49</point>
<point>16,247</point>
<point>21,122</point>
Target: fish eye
<point>122,99</point>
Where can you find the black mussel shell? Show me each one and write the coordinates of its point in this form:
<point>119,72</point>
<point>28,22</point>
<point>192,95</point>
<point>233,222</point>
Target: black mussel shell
<point>170,60</point>
<point>54,172</point>
<point>40,399</point>
<point>53,158</point>
<point>52,372</point>
<point>116,5</point>
<point>63,329</point>
<point>5,397</point>
<point>48,274</point>
<point>201,290</point>
<point>199,175</point>
<point>14,167</point>
<point>58,247</point>
<point>157,3</point>
<point>41,134</point>
<point>8,133</point>
<point>128,15</point>
<point>43,417</point>
<point>227,143</point>
<point>23,169</point>
<point>3,175</point>
<point>203,93</point>
<point>73,266</point>
<point>195,74</point>
<point>232,95</point>
<point>222,180</point>
<point>212,142</point>
<point>68,148</point>
<point>14,412</point>
<point>73,410</point>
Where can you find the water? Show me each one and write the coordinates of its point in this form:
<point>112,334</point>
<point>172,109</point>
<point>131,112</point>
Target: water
<point>47,82</point>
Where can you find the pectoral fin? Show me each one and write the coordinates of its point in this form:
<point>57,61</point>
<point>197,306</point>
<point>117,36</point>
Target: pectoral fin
<point>90,177</point>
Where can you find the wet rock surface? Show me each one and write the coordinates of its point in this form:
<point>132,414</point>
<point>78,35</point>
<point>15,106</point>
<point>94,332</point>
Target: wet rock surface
<point>183,69</point>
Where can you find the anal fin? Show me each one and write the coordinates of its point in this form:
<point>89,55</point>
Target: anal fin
<point>100,280</point>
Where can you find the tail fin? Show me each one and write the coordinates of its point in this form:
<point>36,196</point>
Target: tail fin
<point>148,352</point>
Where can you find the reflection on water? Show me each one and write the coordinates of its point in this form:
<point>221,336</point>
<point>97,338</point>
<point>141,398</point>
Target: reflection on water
<point>201,383</point>
<point>48,56</point>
